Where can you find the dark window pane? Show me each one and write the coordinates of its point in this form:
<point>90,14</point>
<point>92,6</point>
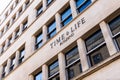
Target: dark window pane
<point>72,55</point>
<point>55,78</point>
<point>4,70</point>
<point>66,16</point>
<point>118,41</point>
<point>12,63</point>
<point>94,40</point>
<point>22,54</point>
<point>115,25</point>
<point>25,25</point>
<point>49,1</point>
<point>82,4</point>
<point>52,29</point>
<point>39,10</point>
<point>53,68</point>
<point>74,70</point>
<point>39,40</point>
<point>38,76</point>
<point>99,55</point>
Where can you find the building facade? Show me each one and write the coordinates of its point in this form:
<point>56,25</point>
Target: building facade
<point>60,40</point>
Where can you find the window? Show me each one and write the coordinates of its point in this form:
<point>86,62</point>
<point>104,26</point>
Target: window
<point>54,71</point>
<point>12,63</point>
<point>51,29</point>
<point>21,56</point>
<point>9,41</point>
<point>39,10</point>
<point>27,3</point>
<point>66,16</point>
<point>14,17</point>
<point>49,1</point>
<point>82,4</point>
<point>39,41</point>
<point>96,48</point>
<point>3,48</point>
<point>38,76</point>
<point>4,70</point>
<point>16,33</point>
<point>20,11</point>
<point>115,28</point>
<point>73,65</point>
<point>25,25</point>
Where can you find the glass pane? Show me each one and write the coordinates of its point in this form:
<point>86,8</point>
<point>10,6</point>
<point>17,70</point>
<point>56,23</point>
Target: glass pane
<point>65,22</point>
<point>94,40</point>
<point>52,34</point>
<point>39,38</point>
<point>38,76</point>
<point>115,25</point>
<point>80,2</point>
<point>99,55</point>
<point>84,5</point>
<point>49,1</point>
<point>22,52</point>
<point>56,78</point>
<point>53,68</point>
<point>118,41</point>
<point>65,14</point>
<point>51,27</point>
<point>39,10</point>
<point>72,55</point>
<point>74,70</point>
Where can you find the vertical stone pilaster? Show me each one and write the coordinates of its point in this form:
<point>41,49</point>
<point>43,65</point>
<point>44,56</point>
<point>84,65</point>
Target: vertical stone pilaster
<point>108,38</point>
<point>82,53</point>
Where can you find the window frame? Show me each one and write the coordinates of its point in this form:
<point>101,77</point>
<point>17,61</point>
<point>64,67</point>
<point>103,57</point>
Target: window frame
<point>37,75</point>
<point>21,57</point>
<point>51,76</point>
<point>39,10</point>
<point>67,17</point>
<point>12,64</point>
<point>40,42</point>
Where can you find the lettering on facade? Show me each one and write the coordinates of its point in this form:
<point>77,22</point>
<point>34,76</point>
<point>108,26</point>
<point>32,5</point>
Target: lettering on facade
<point>64,37</point>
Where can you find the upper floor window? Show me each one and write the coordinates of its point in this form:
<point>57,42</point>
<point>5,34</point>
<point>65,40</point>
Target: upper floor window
<point>17,33</point>
<point>51,29</point>
<point>49,1</point>
<point>22,54</point>
<point>53,71</point>
<point>73,65</point>
<point>14,17</point>
<point>9,41</point>
<point>25,25</point>
<point>82,4</point>
<point>39,40</point>
<point>20,11</point>
<point>66,16</point>
<point>12,63</point>
<point>97,50</point>
<point>27,3</point>
<point>39,10</point>
<point>38,76</point>
<point>4,70</point>
<point>3,48</point>
<point>115,29</point>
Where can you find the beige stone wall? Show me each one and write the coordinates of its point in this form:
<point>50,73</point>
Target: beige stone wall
<point>93,15</point>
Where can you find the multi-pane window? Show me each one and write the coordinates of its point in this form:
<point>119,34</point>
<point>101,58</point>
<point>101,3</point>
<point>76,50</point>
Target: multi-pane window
<point>66,16</point>
<point>12,63</point>
<point>4,70</point>
<point>96,48</point>
<point>54,71</point>
<point>14,18</point>
<point>39,40</point>
<point>115,29</point>
<point>20,11</point>
<point>17,34</point>
<point>82,4</point>
<point>51,29</point>
<point>39,10</point>
<point>21,55</point>
<point>38,76</point>
<point>73,65</point>
<point>25,25</point>
<point>49,1</point>
<point>9,41</point>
